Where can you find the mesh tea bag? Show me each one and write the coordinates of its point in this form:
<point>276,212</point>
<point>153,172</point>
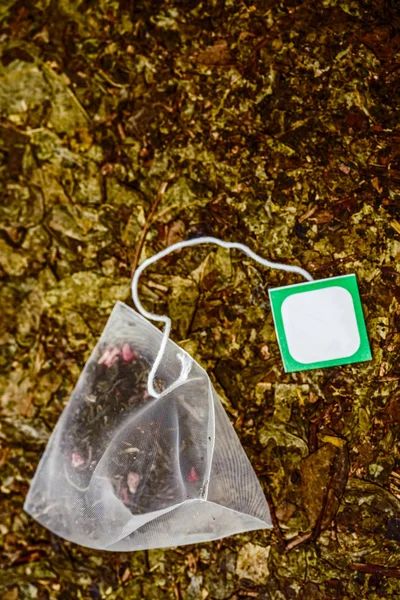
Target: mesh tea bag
<point>144,455</point>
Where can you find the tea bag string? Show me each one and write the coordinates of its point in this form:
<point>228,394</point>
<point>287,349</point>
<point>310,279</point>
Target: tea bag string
<point>186,363</point>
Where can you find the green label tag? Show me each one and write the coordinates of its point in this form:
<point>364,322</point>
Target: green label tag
<point>320,323</point>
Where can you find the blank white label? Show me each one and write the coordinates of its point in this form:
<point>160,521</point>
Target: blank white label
<point>320,325</point>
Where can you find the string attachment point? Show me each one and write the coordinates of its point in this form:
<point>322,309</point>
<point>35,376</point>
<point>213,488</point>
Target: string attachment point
<point>184,358</point>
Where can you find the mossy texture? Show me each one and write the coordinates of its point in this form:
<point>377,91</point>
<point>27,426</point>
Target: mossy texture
<point>128,125</point>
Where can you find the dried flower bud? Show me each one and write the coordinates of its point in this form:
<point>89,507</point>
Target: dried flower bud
<point>133,481</point>
<point>127,353</point>
<point>77,460</point>
<point>192,477</point>
<point>110,356</point>
<point>124,495</point>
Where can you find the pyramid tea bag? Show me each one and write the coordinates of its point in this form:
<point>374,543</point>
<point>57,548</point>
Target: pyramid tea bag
<point>144,455</point>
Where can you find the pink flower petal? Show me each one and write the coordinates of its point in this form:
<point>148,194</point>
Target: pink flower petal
<point>127,353</point>
<point>77,460</point>
<point>124,495</point>
<point>192,477</point>
<point>113,356</point>
<point>104,357</point>
<point>109,357</point>
<point>133,480</point>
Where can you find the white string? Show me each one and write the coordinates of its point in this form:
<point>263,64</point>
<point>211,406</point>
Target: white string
<point>164,319</point>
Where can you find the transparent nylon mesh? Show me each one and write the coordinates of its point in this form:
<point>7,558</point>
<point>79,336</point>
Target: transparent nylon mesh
<point>125,471</point>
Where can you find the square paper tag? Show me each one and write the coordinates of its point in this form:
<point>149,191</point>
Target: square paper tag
<point>320,323</point>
